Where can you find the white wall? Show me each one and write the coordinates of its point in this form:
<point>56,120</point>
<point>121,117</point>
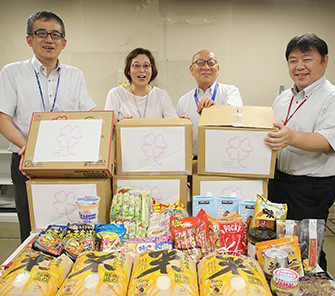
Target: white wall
<point>248,37</point>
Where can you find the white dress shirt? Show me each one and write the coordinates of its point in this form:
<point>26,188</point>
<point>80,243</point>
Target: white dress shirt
<point>316,114</point>
<point>226,95</point>
<point>157,104</point>
<point>20,95</point>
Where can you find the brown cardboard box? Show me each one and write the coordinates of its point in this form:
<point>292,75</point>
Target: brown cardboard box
<point>164,189</point>
<point>245,188</point>
<point>70,144</point>
<point>52,201</point>
<point>227,148</point>
<point>154,146</point>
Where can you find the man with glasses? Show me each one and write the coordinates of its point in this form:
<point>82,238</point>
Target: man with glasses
<point>40,84</point>
<point>205,70</point>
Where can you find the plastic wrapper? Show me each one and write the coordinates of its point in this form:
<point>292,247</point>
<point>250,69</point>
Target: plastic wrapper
<point>163,273</point>
<point>231,275</point>
<point>96,273</point>
<point>191,235</point>
<point>158,207</point>
<point>317,284</point>
<point>135,246</point>
<point>109,237</point>
<point>311,239</point>
<point>287,228</point>
<point>288,244</point>
<point>79,238</point>
<point>131,208</point>
<point>267,211</point>
<point>51,241</point>
<point>35,274</point>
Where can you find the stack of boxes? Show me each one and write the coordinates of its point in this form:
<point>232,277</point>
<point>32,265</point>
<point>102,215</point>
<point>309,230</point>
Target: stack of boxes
<point>68,155</point>
<point>154,155</point>
<point>233,160</point>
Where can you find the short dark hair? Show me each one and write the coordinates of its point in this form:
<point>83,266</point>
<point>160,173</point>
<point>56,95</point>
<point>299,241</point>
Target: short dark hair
<point>307,42</point>
<point>133,54</point>
<point>43,14</point>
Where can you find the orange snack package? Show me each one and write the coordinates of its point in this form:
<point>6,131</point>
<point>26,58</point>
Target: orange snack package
<point>191,235</point>
<point>288,244</point>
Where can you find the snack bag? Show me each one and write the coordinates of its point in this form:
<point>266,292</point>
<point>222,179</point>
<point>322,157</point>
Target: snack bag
<point>158,207</point>
<point>231,275</point>
<point>320,283</point>
<point>311,238</point>
<point>96,273</point>
<point>288,244</point>
<point>35,274</point>
<point>109,237</point>
<point>163,273</point>
<point>51,241</point>
<point>266,212</point>
<point>191,235</point>
<point>286,228</point>
<point>79,238</point>
<point>232,238</point>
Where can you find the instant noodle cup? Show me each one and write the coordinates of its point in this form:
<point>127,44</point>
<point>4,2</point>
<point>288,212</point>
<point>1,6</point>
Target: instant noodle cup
<point>97,273</point>
<point>35,274</point>
<point>231,275</point>
<point>88,207</point>
<point>163,273</point>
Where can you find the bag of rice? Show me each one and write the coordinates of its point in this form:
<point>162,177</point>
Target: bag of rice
<point>167,272</point>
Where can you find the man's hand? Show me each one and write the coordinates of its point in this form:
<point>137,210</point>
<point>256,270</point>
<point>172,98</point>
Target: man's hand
<point>278,140</point>
<point>127,117</point>
<point>185,116</point>
<point>204,103</point>
<point>21,153</point>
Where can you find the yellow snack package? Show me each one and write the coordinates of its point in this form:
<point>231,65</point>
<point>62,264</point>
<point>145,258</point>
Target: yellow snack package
<point>288,244</point>
<point>163,273</point>
<point>267,210</point>
<point>35,274</point>
<point>231,275</point>
<point>97,273</point>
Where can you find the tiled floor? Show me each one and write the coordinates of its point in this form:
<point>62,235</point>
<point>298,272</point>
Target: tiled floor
<point>9,241</point>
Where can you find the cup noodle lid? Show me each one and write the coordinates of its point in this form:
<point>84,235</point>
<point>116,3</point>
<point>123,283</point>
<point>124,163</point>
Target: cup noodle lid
<point>285,278</point>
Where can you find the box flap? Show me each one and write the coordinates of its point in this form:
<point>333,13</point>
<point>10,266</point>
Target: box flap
<point>154,122</point>
<point>250,116</point>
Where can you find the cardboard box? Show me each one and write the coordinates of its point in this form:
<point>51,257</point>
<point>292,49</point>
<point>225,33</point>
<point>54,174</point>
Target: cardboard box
<point>154,146</point>
<point>244,188</point>
<point>228,150</point>
<point>164,189</point>
<point>70,144</point>
<point>52,201</point>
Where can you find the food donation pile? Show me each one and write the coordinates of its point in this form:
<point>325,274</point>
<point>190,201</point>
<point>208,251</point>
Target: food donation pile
<point>152,248</point>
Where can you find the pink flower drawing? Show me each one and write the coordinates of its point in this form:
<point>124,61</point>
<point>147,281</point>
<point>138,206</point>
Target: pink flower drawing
<point>154,192</point>
<point>154,146</point>
<point>239,149</point>
<point>229,190</point>
<point>69,136</point>
<point>65,204</point>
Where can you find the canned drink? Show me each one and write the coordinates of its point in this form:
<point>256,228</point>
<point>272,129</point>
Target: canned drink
<point>274,258</point>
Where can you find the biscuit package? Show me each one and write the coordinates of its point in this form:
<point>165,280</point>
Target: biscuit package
<point>96,273</point>
<point>231,275</point>
<point>35,274</point>
<point>163,273</point>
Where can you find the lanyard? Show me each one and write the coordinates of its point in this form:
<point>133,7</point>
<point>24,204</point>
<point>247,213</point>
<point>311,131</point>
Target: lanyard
<point>41,93</point>
<point>289,109</point>
<point>213,96</point>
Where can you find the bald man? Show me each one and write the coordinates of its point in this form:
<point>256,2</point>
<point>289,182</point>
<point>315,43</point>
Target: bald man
<point>205,70</point>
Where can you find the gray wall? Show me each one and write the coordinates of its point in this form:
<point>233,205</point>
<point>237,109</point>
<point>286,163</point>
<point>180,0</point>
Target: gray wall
<point>248,37</point>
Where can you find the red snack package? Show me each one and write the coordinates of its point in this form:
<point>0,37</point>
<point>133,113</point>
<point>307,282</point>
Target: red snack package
<point>232,238</point>
<point>191,235</point>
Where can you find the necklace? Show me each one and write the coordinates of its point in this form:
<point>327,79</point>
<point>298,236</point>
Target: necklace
<point>146,104</point>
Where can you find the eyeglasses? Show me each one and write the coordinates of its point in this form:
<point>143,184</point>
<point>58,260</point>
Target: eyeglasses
<point>146,66</point>
<point>40,33</point>
<point>201,62</point>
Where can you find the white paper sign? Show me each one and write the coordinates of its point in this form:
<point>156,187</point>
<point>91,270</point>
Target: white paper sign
<point>233,151</point>
<point>246,190</point>
<point>55,204</point>
<point>151,149</point>
<point>68,140</point>
<point>163,191</point>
